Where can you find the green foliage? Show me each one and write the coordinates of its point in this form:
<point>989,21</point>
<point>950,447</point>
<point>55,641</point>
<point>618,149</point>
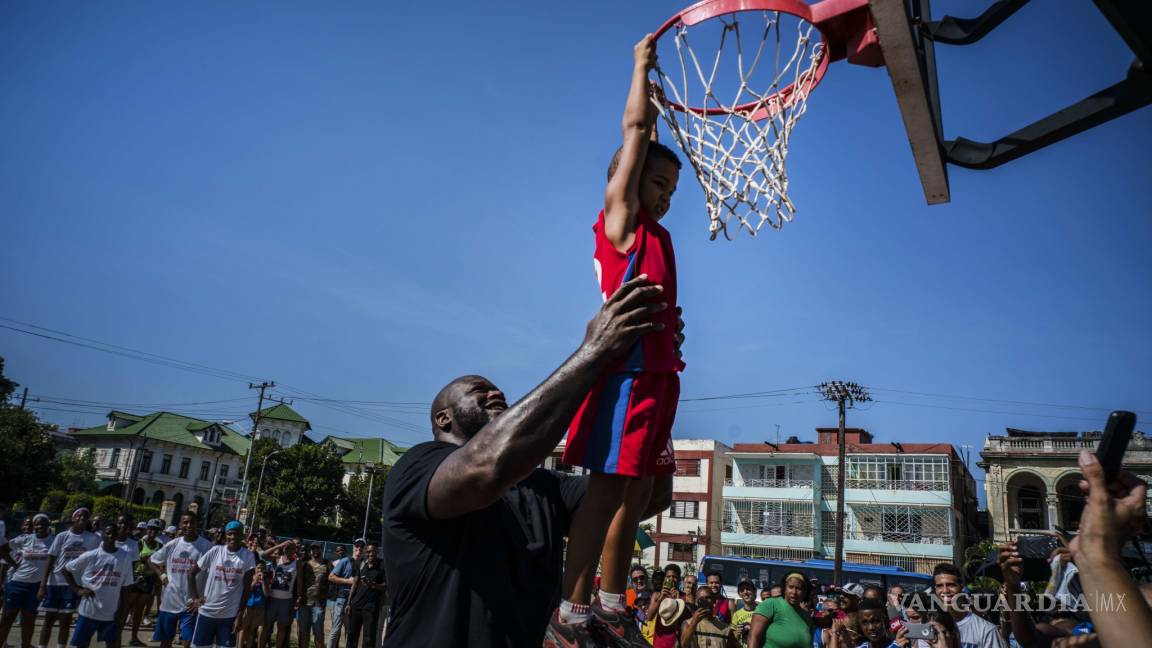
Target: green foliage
<point>53,503</point>
<point>109,507</point>
<point>356,500</point>
<point>302,485</point>
<point>77,500</point>
<point>26,454</point>
<point>77,472</point>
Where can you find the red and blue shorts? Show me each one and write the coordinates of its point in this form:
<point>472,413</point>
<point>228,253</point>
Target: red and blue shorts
<point>624,426</point>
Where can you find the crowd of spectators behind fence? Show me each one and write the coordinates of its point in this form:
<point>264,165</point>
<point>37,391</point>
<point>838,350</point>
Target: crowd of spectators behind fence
<point>294,589</point>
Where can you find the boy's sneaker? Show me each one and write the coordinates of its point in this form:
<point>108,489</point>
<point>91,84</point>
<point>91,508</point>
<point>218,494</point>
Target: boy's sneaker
<point>569,635</point>
<point>618,628</point>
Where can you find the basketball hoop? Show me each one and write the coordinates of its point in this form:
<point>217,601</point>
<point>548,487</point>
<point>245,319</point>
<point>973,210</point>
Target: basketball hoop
<point>738,143</point>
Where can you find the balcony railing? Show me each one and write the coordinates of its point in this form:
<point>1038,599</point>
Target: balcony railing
<point>1138,442</point>
<point>905,537</point>
<point>770,483</point>
<point>897,484</point>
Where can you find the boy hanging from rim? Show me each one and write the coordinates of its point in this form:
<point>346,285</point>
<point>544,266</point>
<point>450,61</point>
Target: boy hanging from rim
<point>622,432</point>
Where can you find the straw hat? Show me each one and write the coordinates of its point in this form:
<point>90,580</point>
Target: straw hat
<point>670,610</point>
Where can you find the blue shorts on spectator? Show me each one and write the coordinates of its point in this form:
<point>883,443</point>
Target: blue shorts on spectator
<point>211,632</point>
<point>86,628</point>
<point>311,620</point>
<point>167,624</point>
<point>59,598</point>
<point>21,596</point>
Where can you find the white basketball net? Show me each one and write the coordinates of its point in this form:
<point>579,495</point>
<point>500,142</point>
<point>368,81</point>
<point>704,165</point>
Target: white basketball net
<point>739,161</point>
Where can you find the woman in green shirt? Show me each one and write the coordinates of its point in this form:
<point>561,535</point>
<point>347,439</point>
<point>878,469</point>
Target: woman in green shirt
<point>782,622</point>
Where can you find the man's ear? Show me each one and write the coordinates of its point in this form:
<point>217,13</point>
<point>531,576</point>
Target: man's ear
<point>444,420</point>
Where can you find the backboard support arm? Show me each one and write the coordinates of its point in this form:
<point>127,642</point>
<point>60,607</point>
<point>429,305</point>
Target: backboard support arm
<point>965,31</point>
<point>1118,100</point>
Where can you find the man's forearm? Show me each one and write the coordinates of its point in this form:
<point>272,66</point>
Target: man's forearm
<point>518,440</point>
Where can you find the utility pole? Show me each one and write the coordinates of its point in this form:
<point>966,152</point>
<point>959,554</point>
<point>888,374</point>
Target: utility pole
<point>267,384</point>
<point>846,395</point>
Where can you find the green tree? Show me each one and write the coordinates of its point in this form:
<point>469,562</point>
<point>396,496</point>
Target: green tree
<point>302,485</point>
<point>356,503</point>
<point>53,503</point>
<point>77,472</point>
<point>27,455</point>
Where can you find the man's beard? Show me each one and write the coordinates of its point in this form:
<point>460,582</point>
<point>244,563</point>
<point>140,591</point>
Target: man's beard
<point>469,421</point>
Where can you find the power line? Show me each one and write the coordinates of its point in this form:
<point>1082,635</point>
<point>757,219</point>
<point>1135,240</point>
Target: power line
<point>1001,401</point>
<point>984,411</point>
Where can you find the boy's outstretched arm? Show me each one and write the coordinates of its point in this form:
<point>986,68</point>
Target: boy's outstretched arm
<point>622,197</point>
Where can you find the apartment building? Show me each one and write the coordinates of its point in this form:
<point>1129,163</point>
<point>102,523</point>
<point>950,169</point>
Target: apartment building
<point>909,505</point>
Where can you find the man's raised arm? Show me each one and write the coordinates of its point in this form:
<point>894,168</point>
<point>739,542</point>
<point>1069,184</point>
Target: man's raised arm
<point>509,447</point>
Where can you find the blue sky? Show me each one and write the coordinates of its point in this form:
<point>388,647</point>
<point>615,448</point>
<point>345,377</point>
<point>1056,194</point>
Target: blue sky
<point>365,200</point>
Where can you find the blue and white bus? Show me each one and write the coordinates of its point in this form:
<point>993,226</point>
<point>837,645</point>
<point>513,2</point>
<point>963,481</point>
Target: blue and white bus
<point>766,573</point>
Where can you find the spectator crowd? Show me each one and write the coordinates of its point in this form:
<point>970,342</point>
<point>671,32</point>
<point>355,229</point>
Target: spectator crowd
<point>98,579</point>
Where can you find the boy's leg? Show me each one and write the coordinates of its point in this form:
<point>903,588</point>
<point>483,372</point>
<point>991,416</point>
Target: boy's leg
<point>621,539</point>
<point>586,539</point>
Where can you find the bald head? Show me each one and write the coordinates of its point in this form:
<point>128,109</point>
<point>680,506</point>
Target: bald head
<point>464,406</point>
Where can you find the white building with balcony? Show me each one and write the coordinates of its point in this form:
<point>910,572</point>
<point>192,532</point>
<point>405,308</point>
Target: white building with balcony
<point>690,528</point>
<point>909,505</point>
<point>158,457</point>
<point>1032,478</point>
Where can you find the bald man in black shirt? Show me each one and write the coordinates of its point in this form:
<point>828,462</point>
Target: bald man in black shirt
<point>473,530</point>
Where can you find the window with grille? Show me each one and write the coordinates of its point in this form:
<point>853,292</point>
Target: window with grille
<point>768,553</point>
<point>768,517</point>
<point>205,468</point>
<point>828,527</point>
<point>146,461</point>
<point>687,467</point>
<point>898,473</point>
<point>185,464</point>
<point>682,551</point>
<point>166,464</point>
<point>895,523</point>
<point>685,509</point>
<point>224,471</point>
<point>828,476</point>
<point>114,459</point>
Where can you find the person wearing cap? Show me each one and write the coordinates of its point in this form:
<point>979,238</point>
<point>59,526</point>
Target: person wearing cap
<point>366,601</point>
<point>28,571</point>
<point>474,531</point>
<point>340,581</point>
<point>220,609</point>
<point>56,598</point>
<point>313,596</point>
<point>99,578</point>
<point>782,622</point>
<point>172,563</point>
<point>742,617</point>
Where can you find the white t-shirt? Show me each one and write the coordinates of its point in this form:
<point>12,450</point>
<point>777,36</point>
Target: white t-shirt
<point>132,546</point>
<point>178,557</point>
<point>33,557</point>
<point>68,546</point>
<point>105,574</point>
<point>283,579</point>
<point>978,633</point>
<point>226,572</point>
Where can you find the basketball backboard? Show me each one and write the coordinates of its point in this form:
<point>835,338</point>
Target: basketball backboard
<point>908,34</point>
<point>911,63</point>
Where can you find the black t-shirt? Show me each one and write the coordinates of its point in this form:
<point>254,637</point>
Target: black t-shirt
<point>364,597</point>
<point>486,579</point>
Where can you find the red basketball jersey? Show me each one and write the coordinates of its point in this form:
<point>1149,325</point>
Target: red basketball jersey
<point>650,254</point>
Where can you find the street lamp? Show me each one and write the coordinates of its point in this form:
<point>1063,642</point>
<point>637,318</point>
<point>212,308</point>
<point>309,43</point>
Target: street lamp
<point>260,484</point>
<point>371,468</point>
